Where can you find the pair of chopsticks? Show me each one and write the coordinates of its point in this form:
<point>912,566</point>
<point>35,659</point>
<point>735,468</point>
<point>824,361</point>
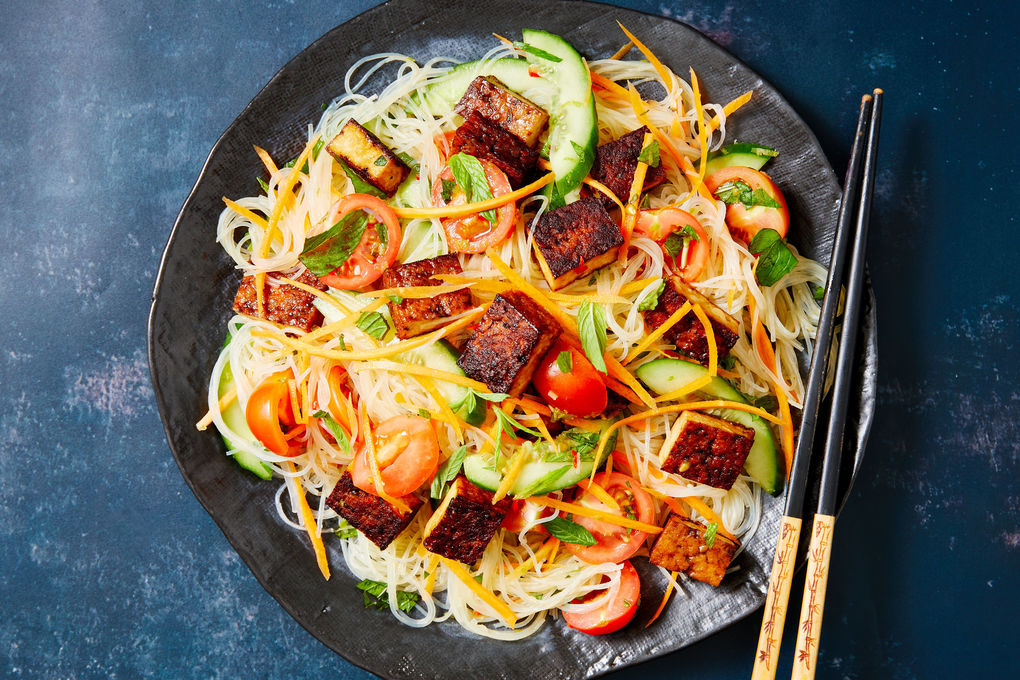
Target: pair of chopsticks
<point>852,238</point>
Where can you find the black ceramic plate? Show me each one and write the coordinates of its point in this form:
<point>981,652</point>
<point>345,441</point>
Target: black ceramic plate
<point>196,283</point>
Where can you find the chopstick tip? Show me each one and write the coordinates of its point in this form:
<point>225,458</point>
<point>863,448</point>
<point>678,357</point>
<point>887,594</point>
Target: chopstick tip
<point>865,99</point>
<point>878,91</point>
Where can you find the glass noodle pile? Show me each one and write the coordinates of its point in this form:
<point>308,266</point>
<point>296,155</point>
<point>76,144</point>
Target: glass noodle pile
<point>297,204</point>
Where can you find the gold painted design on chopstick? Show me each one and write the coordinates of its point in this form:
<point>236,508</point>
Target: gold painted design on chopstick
<point>813,602</point>
<point>777,600</point>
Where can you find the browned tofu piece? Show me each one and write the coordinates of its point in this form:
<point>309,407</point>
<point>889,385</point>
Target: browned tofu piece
<point>369,514</point>
<point>681,547</point>
<point>464,522</point>
<point>511,338</point>
<point>362,152</point>
<point>282,303</point>
<point>688,334</point>
<point>481,138</point>
<point>575,240</point>
<point>414,316</point>
<point>504,107</point>
<point>706,449</point>
<point>615,163</point>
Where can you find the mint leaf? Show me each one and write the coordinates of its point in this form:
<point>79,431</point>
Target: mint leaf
<point>651,301</point>
<point>373,323</point>
<point>687,233</point>
<point>762,198</point>
<point>775,259</point>
<point>584,441</point>
<point>263,184</point>
<point>447,191</point>
<point>327,251</point>
<point>424,413</point>
<point>763,240</point>
<point>569,531</point>
<point>377,597</point>
<point>447,472</point>
<point>767,403</point>
<point>380,161</point>
<point>736,191</point>
<point>395,299</point>
<point>673,244</point>
<point>565,361</point>
<point>470,175</point>
<point>710,533</point>
<point>359,183</point>
<point>650,155</point>
<point>538,52</point>
<point>591,326</point>
<point>819,293</point>
<point>345,530</point>
<point>339,434</point>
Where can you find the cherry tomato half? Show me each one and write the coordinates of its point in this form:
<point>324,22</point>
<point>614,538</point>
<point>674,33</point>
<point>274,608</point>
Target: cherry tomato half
<point>522,514</point>
<point>615,613</point>
<point>579,390</point>
<point>268,411</point>
<point>659,224</point>
<point>407,452</point>
<point>474,233</point>
<point>615,543</point>
<point>371,257</point>
<point>743,223</point>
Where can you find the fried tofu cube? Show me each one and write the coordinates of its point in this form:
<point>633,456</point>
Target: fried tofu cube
<point>616,161</point>
<point>483,139</point>
<point>464,522</point>
<point>515,113</point>
<point>575,240</point>
<point>681,547</point>
<point>414,316</point>
<point>363,153</point>
<point>688,334</point>
<point>511,338</point>
<point>282,303</point>
<point>370,514</point>
<point>706,449</point>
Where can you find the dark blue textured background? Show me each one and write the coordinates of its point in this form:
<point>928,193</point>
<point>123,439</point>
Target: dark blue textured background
<point>110,568</point>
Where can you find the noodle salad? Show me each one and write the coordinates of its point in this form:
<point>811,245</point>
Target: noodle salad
<point>507,325</point>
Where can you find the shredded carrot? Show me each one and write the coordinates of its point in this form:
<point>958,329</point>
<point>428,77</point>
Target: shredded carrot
<point>224,402</point>
<point>673,575</point>
<point>416,291</point>
<point>529,405</point>
<point>664,73</point>
<point>431,566</point>
<point>630,210</point>
<point>284,195</point>
<point>600,493</point>
<point>267,160</point>
<point>260,293</point>
<point>636,286</point>
<point>244,212</point>
<point>444,409</point>
<point>295,403</point>
<point>510,478</point>
<point>609,518</point>
<point>608,85</point>
<point>661,330</point>
<point>487,596</point>
<point>684,390</point>
<point>713,350</point>
<point>308,519</point>
<point>426,372</point>
<point>622,52</point>
<point>763,348</point>
<point>730,108</point>
<point>709,515</point>
<point>702,132</point>
<point>472,208</point>
<point>350,318</point>
<point>505,41</point>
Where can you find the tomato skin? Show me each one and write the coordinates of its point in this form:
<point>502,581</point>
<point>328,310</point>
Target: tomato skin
<point>474,234</point>
<point>659,224</point>
<point>365,264</point>
<point>743,223</point>
<point>615,543</point>
<point>615,614</point>
<point>522,513</point>
<point>580,391</point>
<point>268,409</point>
<point>407,452</point>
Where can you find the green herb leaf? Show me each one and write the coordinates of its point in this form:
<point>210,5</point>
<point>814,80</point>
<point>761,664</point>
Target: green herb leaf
<point>584,153</point>
<point>509,424</point>
<point>593,279</point>
<point>569,531</point>
<point>263,184</point>
<point>819,292</point>
<point>650,155</point>
<point>330,249</point>
<point>384,234</point>
<point>377,597</point>
<point>736,191</point>
<point>651,301</point>
<point>540,53</point>
<point>373,323</point>
<point>673,244</point>
<point>345,530</point>
<point>728,362</point>
<point>543,482</point>
<point>409,161</point>
<point>687,233</point>
<point>710,533</point>
<point>447,472</point>
<point>395,299</point>
<point>565,361</point>
<point>339,434</point>
<point>447,191</point>
<point>343,345</point>
<point>380,161</point>
<point>359,183</point>
<point>591,326</point>
<point>470,175</point>
<point>584,441</point>
<point>424,413</point>
<point>767,403</point>
<point>775,259</point>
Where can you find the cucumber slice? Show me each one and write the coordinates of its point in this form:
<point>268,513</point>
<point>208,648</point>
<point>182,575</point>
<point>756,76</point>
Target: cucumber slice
<point>420,242</point>
<point>539,476</point>
<point>233,416</point>
<point>573,126</point>
<point>442,356</point>
<point>743,154</point>
<point>763,462</point>
<point>440,97</point>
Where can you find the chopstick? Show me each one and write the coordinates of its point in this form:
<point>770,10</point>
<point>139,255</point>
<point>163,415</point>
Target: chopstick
<point>813,600</point>
<point>777,600</point>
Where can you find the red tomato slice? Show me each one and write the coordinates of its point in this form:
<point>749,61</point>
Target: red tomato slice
<point>615,543</point>
<point>659,224</point>
<point>613,614</point>
<point>522,513</point>
<point>407,452</point>
<point>267,411</point>
<point>371,257</point>
<point>743,223</point>
<point>579,391</point>
<point>474,233</point>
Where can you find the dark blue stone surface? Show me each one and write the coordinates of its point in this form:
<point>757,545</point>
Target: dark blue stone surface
<point>110,568</point>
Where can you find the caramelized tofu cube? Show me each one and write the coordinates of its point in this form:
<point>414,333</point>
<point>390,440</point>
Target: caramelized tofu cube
<point>414,316</point>
<point>481,138</point>
<point>464,522</point>
<point>575,240</point>
<point>615,163</point>
<point>504,107</point>
<point>363,153</point>
<point>369,514</point>
<point>688,334</point>
<point>681,547</point>
<point>706,449</point>
<point>512,337</point>
<point>282,303</point>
